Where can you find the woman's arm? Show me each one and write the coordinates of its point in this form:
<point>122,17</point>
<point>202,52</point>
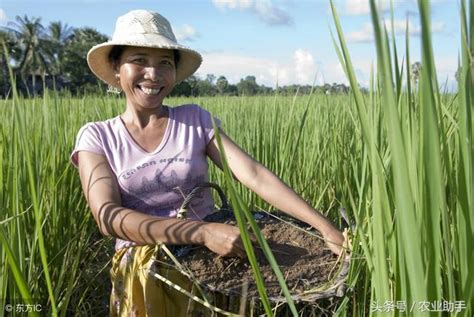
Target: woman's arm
<point>269,187</point>
<point>103,196</point>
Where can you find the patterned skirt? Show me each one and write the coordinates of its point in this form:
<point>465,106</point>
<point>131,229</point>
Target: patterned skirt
<point>136,291</point>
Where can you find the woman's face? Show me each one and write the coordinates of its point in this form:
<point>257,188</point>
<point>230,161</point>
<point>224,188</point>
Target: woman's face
<point>147,75</point>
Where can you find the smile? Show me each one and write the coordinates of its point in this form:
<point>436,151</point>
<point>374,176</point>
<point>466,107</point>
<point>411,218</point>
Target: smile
<point>150,91</point>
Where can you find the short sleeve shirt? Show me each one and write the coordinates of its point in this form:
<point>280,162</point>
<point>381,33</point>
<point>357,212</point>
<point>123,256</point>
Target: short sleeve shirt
<point>156,183</point>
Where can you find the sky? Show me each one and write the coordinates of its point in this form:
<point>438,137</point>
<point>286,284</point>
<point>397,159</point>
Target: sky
<point>280,42</point>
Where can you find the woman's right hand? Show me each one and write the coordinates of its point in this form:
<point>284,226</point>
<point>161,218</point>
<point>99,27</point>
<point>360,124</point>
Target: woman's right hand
<point>223,239</point>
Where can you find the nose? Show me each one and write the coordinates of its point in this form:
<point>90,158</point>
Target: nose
<point>152,73</point>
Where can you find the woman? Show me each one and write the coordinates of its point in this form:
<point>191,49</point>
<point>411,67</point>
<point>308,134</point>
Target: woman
<point>131,165</point>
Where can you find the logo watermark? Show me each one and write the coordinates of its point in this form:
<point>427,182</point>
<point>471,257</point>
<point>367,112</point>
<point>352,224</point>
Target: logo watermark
<point>22,308</point>
<point>418,306</point>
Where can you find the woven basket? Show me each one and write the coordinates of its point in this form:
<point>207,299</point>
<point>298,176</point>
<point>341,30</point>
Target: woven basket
<point>335,288</point>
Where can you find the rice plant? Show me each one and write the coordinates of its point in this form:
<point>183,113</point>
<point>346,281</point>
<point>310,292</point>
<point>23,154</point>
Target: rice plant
<point>69,232</point>
<point>399,161</point>
<point>414,205</point>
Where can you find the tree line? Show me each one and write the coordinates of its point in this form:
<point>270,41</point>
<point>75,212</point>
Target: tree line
<point>55,57</point>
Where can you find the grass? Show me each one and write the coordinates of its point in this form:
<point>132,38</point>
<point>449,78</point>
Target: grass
<point>51,124</point>
<point>399,160</point>
<point>421,182</point>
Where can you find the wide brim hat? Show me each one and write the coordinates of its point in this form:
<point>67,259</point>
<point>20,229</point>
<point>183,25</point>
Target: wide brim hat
<point>143,29</point>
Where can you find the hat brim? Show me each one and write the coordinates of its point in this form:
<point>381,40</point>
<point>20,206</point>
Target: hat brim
<point>99,63</point>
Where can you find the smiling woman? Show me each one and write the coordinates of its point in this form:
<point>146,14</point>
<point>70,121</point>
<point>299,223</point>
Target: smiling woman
<point>146,75</point>
<point>163,152</point>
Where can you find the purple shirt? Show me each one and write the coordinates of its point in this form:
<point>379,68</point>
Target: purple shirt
<point>154,183</point>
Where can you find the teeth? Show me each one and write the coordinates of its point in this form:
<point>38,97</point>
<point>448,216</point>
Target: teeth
<point>150,91</point>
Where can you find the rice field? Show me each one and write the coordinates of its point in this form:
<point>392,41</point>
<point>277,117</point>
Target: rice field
<point>398,161</point>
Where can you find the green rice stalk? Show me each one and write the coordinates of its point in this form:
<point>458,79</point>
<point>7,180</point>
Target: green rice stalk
<point>381,214</point>
<point>465,174</point>
<point>241,212</point>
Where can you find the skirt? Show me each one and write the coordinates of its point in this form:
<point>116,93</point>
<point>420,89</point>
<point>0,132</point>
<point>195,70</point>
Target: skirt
<point>136,291</point>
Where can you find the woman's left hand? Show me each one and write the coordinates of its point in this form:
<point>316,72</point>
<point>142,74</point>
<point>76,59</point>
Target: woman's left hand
<point>334,240</point>
<point>273,190</point>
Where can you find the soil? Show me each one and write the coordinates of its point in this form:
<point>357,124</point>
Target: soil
<point>303,258</point>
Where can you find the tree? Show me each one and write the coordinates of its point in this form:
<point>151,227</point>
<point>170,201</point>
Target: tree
<point>222,84</point>
<point>248,86</point>
<point>75,63</point>
<point>31,57</point>
<point>232,90</point>
<point>458,75</point>
<point>59,36</point>
<point>206,88</point>
<point>10,44</point>
<point>182,89</point>
<point>210,78</point>
<point>415,72</point>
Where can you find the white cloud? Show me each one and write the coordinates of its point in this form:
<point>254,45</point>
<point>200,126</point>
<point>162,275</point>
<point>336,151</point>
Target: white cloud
<point>271,14</point>
<point>301,69</point>
<point>236,66</point>
<point>264,9</point>
<point>399,26</point>
<point>186,33</point>
<point>3,17</point>
<point>362,7</point>
<point>233,4</point>
<point>304,66</point>
<point>366,33</point>
<point>334,72</point>
<point>446,67</point>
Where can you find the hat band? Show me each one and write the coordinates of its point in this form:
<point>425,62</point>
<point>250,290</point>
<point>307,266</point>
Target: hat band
<point>146,40</point>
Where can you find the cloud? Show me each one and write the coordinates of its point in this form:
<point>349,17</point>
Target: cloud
<point>3,17</point>
<point>366,33</point>
<point>236,66</point>
<point>272,15</point>
<point>267,12</point>
<point>301,69</point>
<point>446,67</point>
<point>304,66</point>
<point>186,33</point>
<point>233,4</point>
<point>362,7</point>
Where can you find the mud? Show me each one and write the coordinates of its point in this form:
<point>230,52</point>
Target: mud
<point>303,258</point>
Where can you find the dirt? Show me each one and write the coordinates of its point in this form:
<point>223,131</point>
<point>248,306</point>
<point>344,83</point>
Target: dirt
<point>303,258</point>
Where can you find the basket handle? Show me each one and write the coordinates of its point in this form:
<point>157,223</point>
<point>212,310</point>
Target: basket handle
<point>183,210</point>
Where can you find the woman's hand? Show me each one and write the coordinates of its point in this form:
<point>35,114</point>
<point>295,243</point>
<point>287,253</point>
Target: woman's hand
<point>223,239</point>
<point>273,190</point>
<point>334,240</point>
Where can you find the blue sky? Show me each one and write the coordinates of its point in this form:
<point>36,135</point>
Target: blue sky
<point>279,41</point>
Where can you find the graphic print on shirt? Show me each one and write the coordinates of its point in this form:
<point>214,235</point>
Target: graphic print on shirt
<point>158,186</point>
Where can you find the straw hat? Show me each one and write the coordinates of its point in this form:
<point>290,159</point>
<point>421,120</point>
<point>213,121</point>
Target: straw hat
<point>144,29</point>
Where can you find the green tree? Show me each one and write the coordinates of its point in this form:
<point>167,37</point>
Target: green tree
<point>7,40</point>
<point>75,63</point>
<point>182,89</point>
<point>415,72</point>
<point>222,85</point>
<point>192,81</point>
<point>232,90</point>
<point>206,88</point>
<point>29,55</point>
<point>59,36</point>
<point>248,86</point>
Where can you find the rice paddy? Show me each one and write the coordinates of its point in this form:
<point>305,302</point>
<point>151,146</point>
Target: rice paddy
<point>399,162</point>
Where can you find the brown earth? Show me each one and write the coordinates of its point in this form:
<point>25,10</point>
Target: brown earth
<point>303,258</point>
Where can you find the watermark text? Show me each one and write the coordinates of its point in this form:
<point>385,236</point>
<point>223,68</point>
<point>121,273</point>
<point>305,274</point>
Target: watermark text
<point>418,306</point>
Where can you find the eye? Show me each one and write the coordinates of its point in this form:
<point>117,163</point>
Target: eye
<point>139,60</point>
<point>167,62</point>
